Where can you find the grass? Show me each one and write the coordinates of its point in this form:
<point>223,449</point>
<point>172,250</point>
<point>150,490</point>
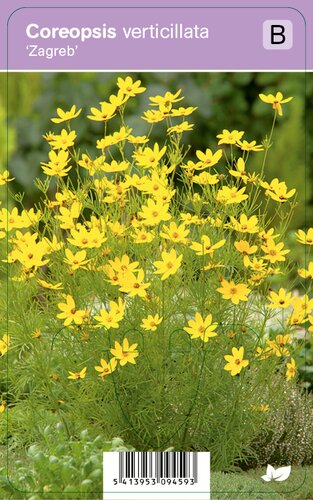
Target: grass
<point>299,485</point>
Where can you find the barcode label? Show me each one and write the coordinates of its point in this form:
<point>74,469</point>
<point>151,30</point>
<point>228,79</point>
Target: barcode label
<point>158,465</point>
<point>156,475</point>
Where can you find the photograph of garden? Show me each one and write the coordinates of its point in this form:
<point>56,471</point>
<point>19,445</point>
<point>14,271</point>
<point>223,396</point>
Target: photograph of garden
<point>156,277</point>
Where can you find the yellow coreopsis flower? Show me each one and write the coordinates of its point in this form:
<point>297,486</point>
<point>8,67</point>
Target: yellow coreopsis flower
<point>240,171</point>
<point>153,116</point>
<point>3,406</point>
<point>4,344</point>
<point>263,352</point>
<point>235,292</point>
<point>304,304</point>
<point>93,166</point>
<point>278,346</point>
<point>57,164</point>
<point>205,179</point>
<point>255,264</point>
<point>245,249</point>
<point>64,140</point>
<point>151,323</point>
<point>138,139</point>
<point>188,218</point>
<point>261,407</point>
<point>269,235</point>
<point>4,178</point>
<point>115,166</point>
<point>139,182</point>
<point>306,273</point>
<point>148,157</point>
<point>297,317</point>
<point>202,328</point>
<point>235,361</point>
<point>106,368</point>
<point>276,101</point>
<point>141,236</point>
<point>191,166</point>
<point>181,111</point>
<point>175,233</point>
<point>278,191</point>
<point>22,239</point>
<point>30,217</point>
<point>154,184</point>
<point>84,238</point>
<point>64,116</point>
<point>154,212</point>
<point>49,136</point>
<point>69,312</point>
<point>166,99</point>
<point>76,260</point>
<point>62,198</point>
<point>133,285</point>
<point>125,353</point>
<point>281,299</point>
<point>229,137</point>
<point>67,215</point>
<point>78,375</point>
<point>250,146</point>
<point>111,318</point>
<point>50,286</point>
<point>129,87</point>
<point>105,113</point>
<point>228,196</point>
<point>164,195</point>
<point>306,238</point>
<point>32,255</point>
<point>274,252</point>
<point>119,99</point>
<point>52,245</point>
<point>116,192</point>
<point>121,134</point>
<point>291,369</point>
<point>116,228</point>
<point>245,224</point>
<point>208,159</point>
<point>123,265</point>
<point>106,142</point>
<point>206,247</point>
<point>180,128</point>
<point>169,264</point>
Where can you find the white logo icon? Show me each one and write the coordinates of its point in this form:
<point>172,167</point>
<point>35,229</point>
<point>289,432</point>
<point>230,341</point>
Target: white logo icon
<point>280,474</point>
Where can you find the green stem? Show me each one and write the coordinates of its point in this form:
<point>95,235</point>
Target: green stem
<point>268,143</point>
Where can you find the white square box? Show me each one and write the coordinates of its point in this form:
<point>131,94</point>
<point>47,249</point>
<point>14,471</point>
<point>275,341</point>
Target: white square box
<point>277,34</point>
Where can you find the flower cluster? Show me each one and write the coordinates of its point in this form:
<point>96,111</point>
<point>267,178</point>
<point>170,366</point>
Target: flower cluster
<point>135,221</point>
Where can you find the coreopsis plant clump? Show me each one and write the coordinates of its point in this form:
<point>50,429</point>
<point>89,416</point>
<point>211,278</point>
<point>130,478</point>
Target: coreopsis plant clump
<point>144,287</point>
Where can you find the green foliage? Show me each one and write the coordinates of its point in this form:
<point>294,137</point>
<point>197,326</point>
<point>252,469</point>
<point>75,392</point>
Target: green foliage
<point>239,486</point>
<point>298,486</point>
<point>305,363</point>
<point>59,465</point>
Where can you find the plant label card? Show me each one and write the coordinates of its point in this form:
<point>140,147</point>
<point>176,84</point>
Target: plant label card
<point>156,238</point>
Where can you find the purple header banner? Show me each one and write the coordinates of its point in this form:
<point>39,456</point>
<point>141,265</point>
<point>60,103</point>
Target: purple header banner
<point>176,36</point>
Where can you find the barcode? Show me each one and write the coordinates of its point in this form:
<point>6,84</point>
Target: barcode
<point>158,465</point>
